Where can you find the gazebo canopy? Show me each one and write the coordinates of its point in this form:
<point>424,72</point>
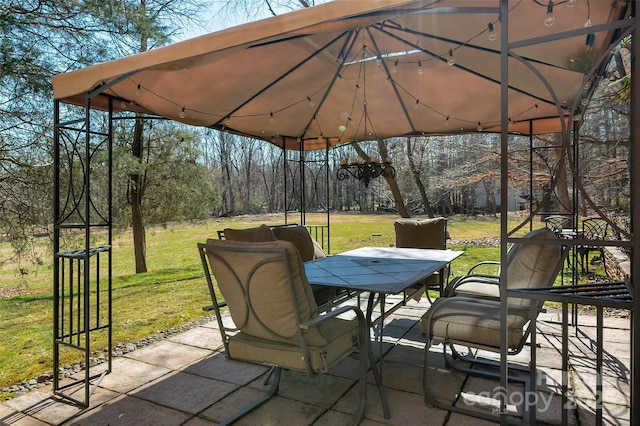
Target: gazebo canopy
<point>359,70</point>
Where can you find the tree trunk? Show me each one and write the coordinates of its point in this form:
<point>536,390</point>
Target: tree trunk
<point>415,173</point>
<point>562,188</point>
<point>393,184</point>
<point>225,164</point>
<point>136,182</point>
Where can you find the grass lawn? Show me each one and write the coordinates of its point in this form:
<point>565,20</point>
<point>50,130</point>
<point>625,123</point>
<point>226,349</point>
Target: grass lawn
<point>173,292</point>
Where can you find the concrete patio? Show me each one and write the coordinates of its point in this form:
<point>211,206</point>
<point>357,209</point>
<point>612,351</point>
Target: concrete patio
<point>187,380</point>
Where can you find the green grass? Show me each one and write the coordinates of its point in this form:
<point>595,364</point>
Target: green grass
<point>173,292</point>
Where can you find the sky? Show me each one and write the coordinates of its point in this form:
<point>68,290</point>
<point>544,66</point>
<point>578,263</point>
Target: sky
<point>211,23</point>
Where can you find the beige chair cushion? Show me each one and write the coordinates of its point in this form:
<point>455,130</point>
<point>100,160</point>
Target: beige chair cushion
<point>534,265</point>
<point>299,236</point>
<point>318,253</point>
<point>341,335</point>
<point>478,290</point>
<point>529,265</point>
<point>258,234</point>
<point>426,233</point>
<point>459,320</point>
<point>250,275</point>
<point>308,249</point>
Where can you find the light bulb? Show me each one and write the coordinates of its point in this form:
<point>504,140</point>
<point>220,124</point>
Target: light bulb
<point>587,23</point>
<point>446,121</point>
<point>395,67</point>
<point>138,91</point>
<point>550,18</point>
<point>420,69</point>
<point>271,118</point>
<point>451,60</point>
<point>182,114</point>
<point>123,104</point>
<point>571,3</point>
<point>479,128</point>
<point>417,104</point>
<point>311,102</point>
<point>492,32</point>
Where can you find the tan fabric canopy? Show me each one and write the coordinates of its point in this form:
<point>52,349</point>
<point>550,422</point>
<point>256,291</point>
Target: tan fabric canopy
<point>359,70</point>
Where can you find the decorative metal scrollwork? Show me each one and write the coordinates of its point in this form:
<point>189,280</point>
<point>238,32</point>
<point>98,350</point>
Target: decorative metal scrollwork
<point>365,171</point>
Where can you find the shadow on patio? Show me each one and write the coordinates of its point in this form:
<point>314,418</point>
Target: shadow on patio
<point>187,380</point>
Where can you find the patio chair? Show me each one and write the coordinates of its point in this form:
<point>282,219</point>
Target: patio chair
<point>308,248</point>
<point>275,318</point>
<point>425,234</point>
<point>593,228</point>
<point>474,321</point>
<point>483,279</point>
<point>557,223</point>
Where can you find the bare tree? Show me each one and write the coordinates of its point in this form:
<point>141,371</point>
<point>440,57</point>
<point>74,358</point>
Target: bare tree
<point>415,173</point>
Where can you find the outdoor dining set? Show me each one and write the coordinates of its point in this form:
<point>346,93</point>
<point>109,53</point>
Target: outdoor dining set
<point>280,301</point>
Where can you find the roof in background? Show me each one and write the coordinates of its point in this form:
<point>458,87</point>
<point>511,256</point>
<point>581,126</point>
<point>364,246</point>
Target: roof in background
<point>360,70</point>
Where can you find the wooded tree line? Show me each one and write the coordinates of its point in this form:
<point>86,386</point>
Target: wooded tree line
<point>165,171</point>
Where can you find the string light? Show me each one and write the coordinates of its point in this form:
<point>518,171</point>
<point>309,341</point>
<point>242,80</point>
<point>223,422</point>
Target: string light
<point>492,32</point>
<point>550,19</point>
<point>123,104</point>
<point>571,3</point>
<point>451,60</point>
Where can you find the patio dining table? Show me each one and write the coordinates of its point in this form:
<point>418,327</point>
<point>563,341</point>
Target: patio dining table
<point>380,271</point>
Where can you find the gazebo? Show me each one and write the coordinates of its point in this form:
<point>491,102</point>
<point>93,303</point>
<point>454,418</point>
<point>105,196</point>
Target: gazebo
<point>344,71</point>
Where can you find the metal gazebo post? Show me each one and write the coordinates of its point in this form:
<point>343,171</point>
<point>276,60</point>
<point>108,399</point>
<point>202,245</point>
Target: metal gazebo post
<point>79,299</point>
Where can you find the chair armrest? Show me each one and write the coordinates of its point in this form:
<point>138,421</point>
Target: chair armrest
<point>485,263</point>
<point>443,301</point>
<point>332,314</point>
<point>476,278</point>
<point>211,307</point>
